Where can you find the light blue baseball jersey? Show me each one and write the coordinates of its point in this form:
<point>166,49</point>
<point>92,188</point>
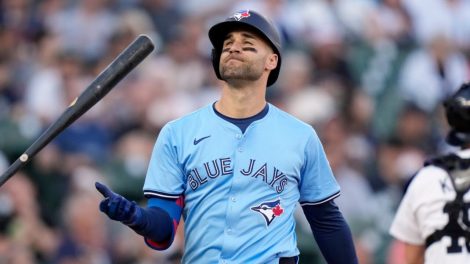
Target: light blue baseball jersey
<point>240,190</point>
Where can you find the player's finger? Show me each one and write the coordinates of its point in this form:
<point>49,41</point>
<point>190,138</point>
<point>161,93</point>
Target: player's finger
<point>103,189</point>
<point>112,206</point>
<point>127,209</point>
<point>104,207</point>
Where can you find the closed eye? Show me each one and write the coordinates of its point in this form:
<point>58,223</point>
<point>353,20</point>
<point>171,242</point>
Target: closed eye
<point>226,45</point>
<point>226,49</point>
<point>249,49</point>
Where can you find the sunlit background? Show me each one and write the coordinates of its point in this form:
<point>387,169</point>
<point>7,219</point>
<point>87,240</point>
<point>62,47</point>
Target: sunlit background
<point>369,75</point>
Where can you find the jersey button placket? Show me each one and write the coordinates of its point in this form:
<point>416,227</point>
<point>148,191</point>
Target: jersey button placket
<point>232,215</point>
<point>239,137</point>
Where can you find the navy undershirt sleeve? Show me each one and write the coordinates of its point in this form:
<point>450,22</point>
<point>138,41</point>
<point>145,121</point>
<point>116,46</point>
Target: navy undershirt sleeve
<point>331,232</point>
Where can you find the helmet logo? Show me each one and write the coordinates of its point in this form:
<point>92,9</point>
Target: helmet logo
<point>241,14</point>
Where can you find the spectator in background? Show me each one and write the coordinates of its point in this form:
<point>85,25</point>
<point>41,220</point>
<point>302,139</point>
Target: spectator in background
<point>85,236</point>
<point>84,27</point>
<point>128,164</point>
<point>450,17</point>
<point>389,21</point>
<point>165,16</point>
<point>51,179</point>
<point>414,129</point>
<point>376,58</point>
<point>45,95</point>
<point>433,72</point>
<point>30,239</point>
<point>357,198</point>
<point>297,95</point>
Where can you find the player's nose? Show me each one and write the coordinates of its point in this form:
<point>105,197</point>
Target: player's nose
<point>235,47</point>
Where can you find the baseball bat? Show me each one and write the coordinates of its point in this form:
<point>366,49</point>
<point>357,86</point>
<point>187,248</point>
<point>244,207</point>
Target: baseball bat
<point>125,62</point>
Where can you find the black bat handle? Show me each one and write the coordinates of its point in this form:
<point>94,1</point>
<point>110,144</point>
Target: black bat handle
<point>17,165</point>
<point>126,61</point>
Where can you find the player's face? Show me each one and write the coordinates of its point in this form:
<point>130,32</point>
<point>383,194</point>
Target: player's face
<point>245,56</point>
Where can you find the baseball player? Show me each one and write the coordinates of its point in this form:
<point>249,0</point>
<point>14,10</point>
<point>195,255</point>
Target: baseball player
<point>236,170</point>
<point>433,217</point>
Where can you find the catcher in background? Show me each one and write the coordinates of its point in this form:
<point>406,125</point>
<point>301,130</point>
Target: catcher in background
<point>237,169</point>
<point>433,218</point>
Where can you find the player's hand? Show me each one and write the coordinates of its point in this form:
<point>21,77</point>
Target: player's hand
<point>117,207</point>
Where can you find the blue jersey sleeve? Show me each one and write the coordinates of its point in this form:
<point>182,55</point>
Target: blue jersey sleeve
<point>165,177</point>
<point>317,183</point>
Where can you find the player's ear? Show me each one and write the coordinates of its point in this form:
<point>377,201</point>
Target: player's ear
<point>271,61</point>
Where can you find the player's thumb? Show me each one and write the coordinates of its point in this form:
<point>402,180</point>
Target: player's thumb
<point>103,189</point>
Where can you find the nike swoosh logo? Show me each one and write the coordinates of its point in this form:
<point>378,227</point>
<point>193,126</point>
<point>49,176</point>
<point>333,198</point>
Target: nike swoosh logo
<point>196,141</point>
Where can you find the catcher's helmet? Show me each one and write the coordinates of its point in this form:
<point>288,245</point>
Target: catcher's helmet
<point>457,109</point>
<point>253,21</point>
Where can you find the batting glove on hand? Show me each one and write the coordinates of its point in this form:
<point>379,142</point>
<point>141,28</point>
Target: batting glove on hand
<point>117,207</point>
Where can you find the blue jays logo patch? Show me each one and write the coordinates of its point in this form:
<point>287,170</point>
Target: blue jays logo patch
<point>269,210</point>
<point>241,14</point>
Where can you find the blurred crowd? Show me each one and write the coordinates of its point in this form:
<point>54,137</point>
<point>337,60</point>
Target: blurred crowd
<point>369,75</point>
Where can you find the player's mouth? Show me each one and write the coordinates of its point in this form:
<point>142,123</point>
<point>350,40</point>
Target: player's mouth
<point>233,58</point>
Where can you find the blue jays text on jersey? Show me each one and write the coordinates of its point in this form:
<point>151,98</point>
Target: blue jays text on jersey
<point>240,189</point>
<point>223,166</point>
